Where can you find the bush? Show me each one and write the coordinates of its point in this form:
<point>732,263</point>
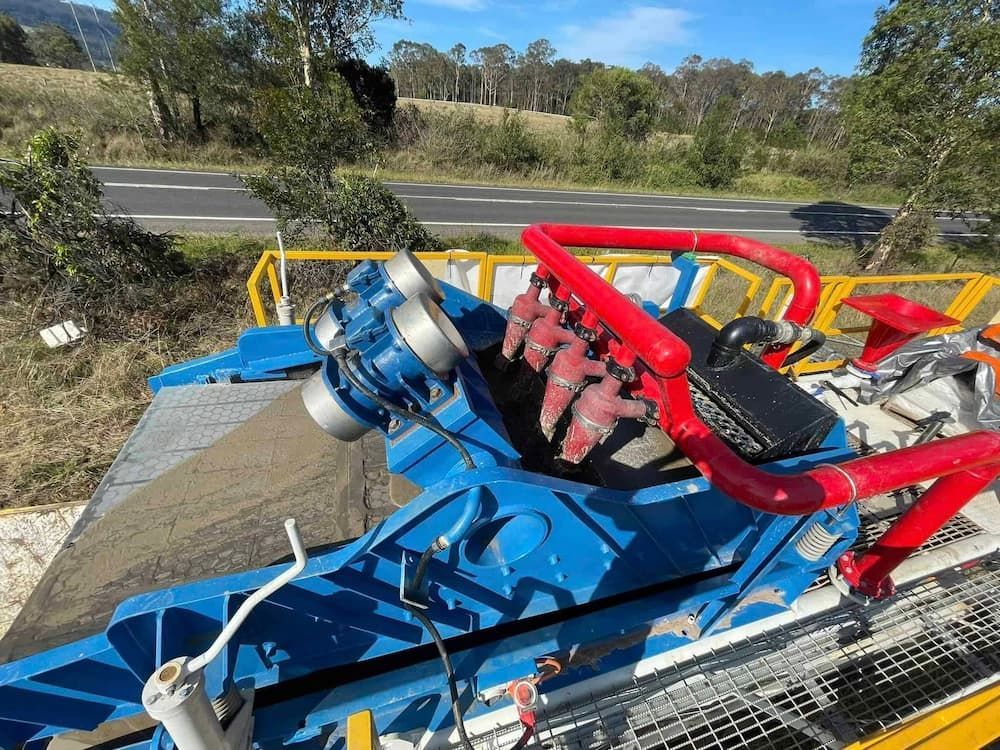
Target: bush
<point>59,243</point>
<point>508,145</point>
<point>828,167</point>
<point>370,217</point>
<point>716,154</point>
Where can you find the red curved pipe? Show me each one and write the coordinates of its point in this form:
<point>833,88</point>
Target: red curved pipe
<point>962,465</point>
<point>802,273</point>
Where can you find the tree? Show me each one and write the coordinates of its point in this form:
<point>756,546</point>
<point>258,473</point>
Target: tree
<point>924,114</point>
<point>175,48</point>
<point>457,56</point>
<point>314,35</point>
<point>54,47</point>
<point>620,100</point>
<point>717,151</point>
<point>537,62</point>
<point>14,46</point>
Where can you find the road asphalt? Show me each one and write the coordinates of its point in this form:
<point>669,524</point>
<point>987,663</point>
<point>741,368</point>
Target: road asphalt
<point>194,201</point>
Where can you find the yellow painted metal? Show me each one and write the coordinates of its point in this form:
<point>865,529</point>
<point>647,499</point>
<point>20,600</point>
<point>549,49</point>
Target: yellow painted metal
<point>834,289</point>
<point>966,724</point>
<point>361,732</point>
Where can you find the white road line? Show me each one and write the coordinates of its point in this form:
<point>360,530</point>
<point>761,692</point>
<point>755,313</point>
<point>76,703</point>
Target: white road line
<point>190,218</point>
<point>696,229</point>
<point>160,171</point>
<point>523,225</point>
<point>154,186</point>
<point>660,206</point>
<point>600,193</point>
<point>522,201</point>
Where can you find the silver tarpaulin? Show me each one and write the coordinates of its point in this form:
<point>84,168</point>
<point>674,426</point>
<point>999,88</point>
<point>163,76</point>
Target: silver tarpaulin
<point>928,359</point>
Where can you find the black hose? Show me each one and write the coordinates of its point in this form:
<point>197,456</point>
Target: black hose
<point>449,672</point>
<point>307,331</point>
<point>729,342</point>
<point>816,340</point>
<point>341,357</point>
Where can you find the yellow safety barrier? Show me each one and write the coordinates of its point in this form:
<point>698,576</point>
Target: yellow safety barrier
<point>967,724</point>
<point>720,275</point>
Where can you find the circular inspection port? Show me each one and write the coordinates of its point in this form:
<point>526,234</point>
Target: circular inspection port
<point>506,539</point>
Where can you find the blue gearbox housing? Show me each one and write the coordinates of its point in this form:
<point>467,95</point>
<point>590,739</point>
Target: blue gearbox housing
<point>403,347</point>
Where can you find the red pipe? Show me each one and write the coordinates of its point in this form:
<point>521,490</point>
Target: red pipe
<point>963,465</point>
<point>804,277</point>
<point>869,572</point>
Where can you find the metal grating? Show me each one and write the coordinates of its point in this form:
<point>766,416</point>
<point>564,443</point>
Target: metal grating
<point>722,424</point>
<point>817,683</point>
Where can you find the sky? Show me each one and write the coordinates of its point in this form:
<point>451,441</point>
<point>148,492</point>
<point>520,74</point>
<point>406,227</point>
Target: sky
<point>772,34</point>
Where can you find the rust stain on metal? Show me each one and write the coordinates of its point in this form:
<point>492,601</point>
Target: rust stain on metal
<point>764,595</point>
<point>681,625</point>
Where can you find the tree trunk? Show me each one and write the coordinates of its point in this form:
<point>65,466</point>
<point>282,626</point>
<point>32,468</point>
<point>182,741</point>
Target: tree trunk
<point>199,124</point>
<point>896,236</point>
<point>159,111</point>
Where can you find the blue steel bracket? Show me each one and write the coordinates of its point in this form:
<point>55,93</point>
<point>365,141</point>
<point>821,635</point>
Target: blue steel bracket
<point>268,353</point>
<point>416,595</point>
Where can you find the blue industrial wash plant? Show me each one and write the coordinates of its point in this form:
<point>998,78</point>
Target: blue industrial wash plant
<point>526,565</point>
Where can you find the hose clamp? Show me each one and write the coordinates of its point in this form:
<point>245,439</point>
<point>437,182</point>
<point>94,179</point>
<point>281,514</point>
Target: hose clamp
<point>585,333</point>
<point>619,372</point>
<point>537,281</point>
<point>559,304</point>
<point>846,476</point>
<point>511,317</point>
<point>567,384</point>
<point>539,348</point>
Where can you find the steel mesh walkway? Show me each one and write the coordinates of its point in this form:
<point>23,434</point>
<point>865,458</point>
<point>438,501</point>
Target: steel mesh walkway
<point>817,683</point>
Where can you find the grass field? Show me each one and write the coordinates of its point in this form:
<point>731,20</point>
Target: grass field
<point>539,121</point>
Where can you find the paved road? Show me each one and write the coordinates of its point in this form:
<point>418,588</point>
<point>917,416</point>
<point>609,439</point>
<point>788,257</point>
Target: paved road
<point>212,201</point>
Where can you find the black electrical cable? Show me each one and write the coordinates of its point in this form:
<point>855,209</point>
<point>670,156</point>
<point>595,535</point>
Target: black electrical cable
<point>307,331</point>
<point>340,356</point>
<point>449,671</point>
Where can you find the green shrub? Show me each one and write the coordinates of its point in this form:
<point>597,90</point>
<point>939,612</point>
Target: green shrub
<point>59,242</point>
<point>829,167</point>
<point>716,153</point>
<point>508,145</point>
<point>370,217</point>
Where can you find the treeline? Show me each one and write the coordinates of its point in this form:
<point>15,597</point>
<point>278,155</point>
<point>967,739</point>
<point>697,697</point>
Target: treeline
<point>781,109</point>
<point>47,44</point>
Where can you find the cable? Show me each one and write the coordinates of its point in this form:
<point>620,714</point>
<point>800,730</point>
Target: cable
<point>340,356</point>
<point>449,672</point>
<point>307,332</point>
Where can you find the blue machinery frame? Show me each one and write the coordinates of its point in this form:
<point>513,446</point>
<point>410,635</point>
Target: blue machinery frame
<point>548,567</point>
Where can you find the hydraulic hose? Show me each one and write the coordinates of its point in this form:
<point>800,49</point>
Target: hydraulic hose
<point>736,334</point>
<point>449,673</point>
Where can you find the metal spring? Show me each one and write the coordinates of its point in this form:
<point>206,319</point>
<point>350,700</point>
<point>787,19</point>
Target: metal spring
<point>227,704</point>
<point>816,542</point>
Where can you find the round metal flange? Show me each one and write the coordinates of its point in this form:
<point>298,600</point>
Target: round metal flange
<point>430,334</point>
<point>327,411</point>
<point>411,277</point>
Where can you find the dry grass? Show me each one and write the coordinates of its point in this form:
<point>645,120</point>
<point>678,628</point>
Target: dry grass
<point>542,122</point>
<point>66,412</point>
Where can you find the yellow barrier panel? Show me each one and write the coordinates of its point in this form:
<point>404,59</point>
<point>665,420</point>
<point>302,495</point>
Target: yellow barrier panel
<point>975,288</point>
<point>267,266</point>
<point>361,733</point>
<point>968,723</point>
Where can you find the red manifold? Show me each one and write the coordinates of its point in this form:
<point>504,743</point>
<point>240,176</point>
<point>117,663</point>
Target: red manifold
<point>962,465</point>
